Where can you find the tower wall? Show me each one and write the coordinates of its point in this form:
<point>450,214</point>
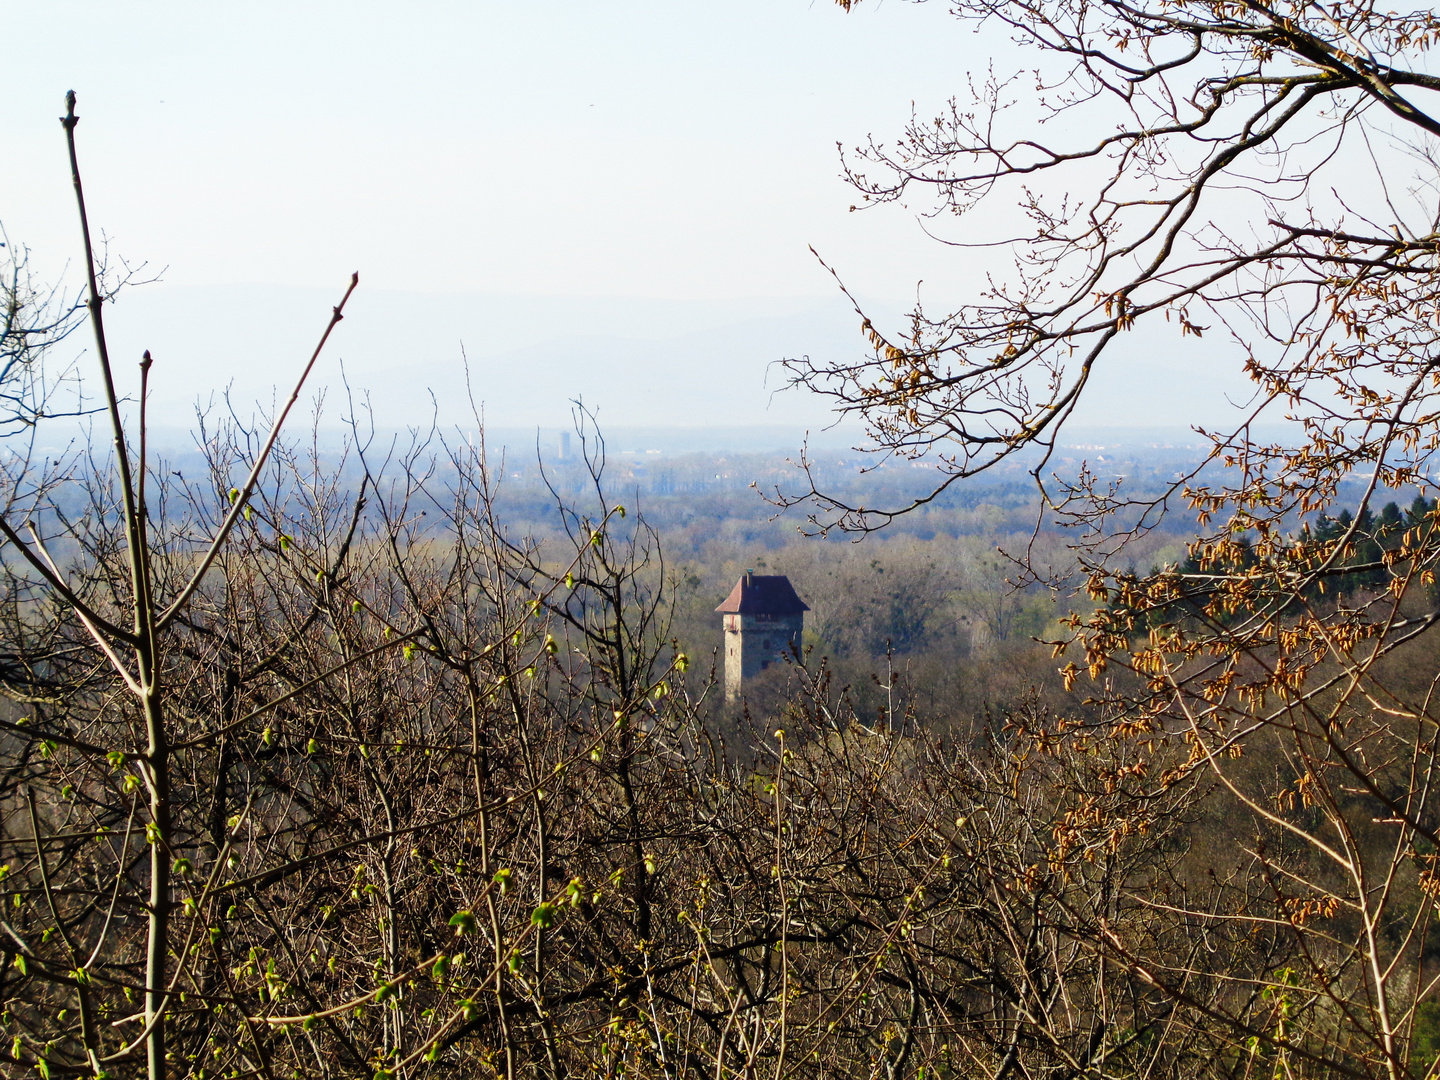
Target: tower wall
<point>754,642</point>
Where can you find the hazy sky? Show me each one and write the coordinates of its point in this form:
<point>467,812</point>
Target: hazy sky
<point>670,148</point>
<point>677,154</point>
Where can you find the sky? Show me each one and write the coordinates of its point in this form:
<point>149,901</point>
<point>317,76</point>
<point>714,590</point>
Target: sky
<point>570,192</point>
<point>672,149</point>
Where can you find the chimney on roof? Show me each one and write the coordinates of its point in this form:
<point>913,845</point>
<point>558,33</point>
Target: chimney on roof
<point>763,619</point>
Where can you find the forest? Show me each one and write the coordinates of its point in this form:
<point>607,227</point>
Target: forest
<point>406,791</point>
<point>400,758</point>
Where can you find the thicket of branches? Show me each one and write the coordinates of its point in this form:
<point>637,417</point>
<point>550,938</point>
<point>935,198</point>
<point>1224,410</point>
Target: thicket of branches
<point>312,777</point>
<point>1261,175</point>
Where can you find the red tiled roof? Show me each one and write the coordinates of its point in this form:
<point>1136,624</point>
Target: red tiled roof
<point>763,594</point>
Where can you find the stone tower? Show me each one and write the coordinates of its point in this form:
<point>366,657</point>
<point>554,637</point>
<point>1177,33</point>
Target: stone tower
<point>763,618</point>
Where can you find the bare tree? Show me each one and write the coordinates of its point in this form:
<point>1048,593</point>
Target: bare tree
<point>1262,174</point>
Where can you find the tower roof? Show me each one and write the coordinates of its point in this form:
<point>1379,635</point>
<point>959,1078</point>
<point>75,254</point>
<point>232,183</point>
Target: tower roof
<point>763,594</point>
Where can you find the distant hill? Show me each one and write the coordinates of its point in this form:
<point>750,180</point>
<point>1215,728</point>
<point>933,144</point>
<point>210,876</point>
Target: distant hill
<point>638,364</point>
<point>672,375</point>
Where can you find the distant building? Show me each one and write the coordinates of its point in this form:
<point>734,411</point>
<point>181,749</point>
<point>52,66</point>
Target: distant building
<point>763,618</point>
